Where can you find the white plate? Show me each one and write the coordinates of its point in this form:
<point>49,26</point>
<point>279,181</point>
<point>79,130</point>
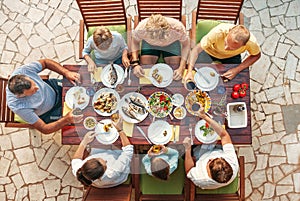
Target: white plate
<point>105,73</point>
<point>70,98</point>
<point>106,90</point>
<point>106,137</point>
<point>177,99</point>
<point>124,103</point>
<point>165,71</point>
<point>199,134</point>
<point>156,130</point>
<point>201,83</point>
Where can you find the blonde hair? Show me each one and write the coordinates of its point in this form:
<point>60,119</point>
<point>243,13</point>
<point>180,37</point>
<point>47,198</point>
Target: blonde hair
<point>157,26</point>
<point>240,33</point>
<point>102,37</point>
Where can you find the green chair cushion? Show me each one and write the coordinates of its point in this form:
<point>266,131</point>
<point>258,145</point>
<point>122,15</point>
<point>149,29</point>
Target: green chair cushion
<point>119,28</point>
<point>229,189</point>
<point>203,27</point>
<point>17,118</point>
<point>174,185</point>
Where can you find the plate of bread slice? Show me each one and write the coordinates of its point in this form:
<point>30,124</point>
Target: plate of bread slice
<point>161,75</point>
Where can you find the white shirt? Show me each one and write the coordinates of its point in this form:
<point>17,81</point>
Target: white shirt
<point>199,175</point>
<point>118,166</point>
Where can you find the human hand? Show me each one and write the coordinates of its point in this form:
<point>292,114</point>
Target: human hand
<point>74,118</point>
<point>231,73</point>
<point>88,137</point>
<point>73,77</point>
<point>92,66</point>
<point>189,76</point>
<point>125,61</point>
<point>187,143</point>
<point>201,111</point>
<point>119,123</point>
<point>177,75</point>
<point>138,71</point>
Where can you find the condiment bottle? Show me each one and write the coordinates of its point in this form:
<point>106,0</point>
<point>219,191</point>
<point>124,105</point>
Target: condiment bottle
<point>238,108</point>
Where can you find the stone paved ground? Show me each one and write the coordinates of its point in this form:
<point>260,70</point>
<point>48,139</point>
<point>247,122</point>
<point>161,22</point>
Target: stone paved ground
<point>37,167</point>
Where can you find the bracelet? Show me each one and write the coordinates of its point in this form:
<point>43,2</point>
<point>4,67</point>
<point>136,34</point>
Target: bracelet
<point>120,130</point>
<point>135,62</point>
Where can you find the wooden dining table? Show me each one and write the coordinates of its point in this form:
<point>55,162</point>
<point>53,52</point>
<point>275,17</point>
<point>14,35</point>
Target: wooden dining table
<point>72,134</point>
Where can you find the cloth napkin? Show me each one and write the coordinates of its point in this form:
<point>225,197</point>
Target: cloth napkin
<point>66,109</point>
<point>184,74</point>
<point>97,74</point>
<point>128,128</point>
<point>177,130</point>
<point>144,80</point>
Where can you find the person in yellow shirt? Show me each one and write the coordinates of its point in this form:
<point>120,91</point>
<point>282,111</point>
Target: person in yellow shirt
<point>224,43</point>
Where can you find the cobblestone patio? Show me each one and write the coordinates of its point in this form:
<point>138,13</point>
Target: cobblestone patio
<point>37,167</point>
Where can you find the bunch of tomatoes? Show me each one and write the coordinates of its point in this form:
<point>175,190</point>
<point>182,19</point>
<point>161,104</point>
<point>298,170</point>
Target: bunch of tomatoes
<point>239,90</point>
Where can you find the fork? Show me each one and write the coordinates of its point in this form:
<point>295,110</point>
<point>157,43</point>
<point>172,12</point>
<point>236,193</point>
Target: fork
<point>129,80</point>
<point>191,134</point>
<point>126,73</point>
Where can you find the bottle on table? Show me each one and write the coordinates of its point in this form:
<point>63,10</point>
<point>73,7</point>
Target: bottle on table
<point>238,108</point>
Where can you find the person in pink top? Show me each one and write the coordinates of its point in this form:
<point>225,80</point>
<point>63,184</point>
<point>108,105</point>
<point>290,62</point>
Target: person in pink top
<point>160,35</point>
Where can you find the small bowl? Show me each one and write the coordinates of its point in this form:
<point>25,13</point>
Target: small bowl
<point>177,99</point>
<point>90,123</point>
<point>179,112</point>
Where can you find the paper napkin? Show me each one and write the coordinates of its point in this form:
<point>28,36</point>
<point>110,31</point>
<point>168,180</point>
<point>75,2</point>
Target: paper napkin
<point>144,80</point>
<point>128,128</point>
<point>97,74</point>
<point>66,109</point>
<point>177,130</point>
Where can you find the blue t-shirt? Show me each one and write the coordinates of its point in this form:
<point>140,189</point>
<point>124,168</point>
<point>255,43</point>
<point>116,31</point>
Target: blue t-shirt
<point>29,108</point>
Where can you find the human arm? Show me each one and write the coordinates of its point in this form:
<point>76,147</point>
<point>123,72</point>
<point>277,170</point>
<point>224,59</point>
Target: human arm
<point>124,139</point>
<point>125,59</point>
<point>137,69</point>
<point>184,56</point>
<point>56,125</point>
<point>188,160</point>
<point>91,64</point>
<point>173,158</point>
<point>231,73</point>
<point>225,137</point>
<point>56,67</point>
<point>89,137</point>
<point>192,60</point>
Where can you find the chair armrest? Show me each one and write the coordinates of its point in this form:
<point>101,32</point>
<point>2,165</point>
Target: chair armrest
<point>242,177</point>
<point>136,176</point>
<point>193,30</point>
<point>81,38</point>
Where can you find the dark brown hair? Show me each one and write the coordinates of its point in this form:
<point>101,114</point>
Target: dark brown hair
<point>18,83</point>
<point>160,168</point>
<point>90,171</point>
<point>220,170</point>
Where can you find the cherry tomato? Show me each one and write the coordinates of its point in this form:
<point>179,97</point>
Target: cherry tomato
<point>206,125</point>
<point>244,86</point>
<point>235,94</point>
<point>162,98</point>
<point>242,93</point>
<point>236,87</point>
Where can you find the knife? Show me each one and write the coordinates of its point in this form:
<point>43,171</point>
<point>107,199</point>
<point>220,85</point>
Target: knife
<point>143,134</point>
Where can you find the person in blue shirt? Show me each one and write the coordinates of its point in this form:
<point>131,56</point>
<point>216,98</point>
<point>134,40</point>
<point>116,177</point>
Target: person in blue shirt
<point>161,161</point>
<point>37,101</point>
<point>108,46</point>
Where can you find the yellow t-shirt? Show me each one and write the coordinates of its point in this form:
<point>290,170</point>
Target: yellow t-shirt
<point>214,43</point>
